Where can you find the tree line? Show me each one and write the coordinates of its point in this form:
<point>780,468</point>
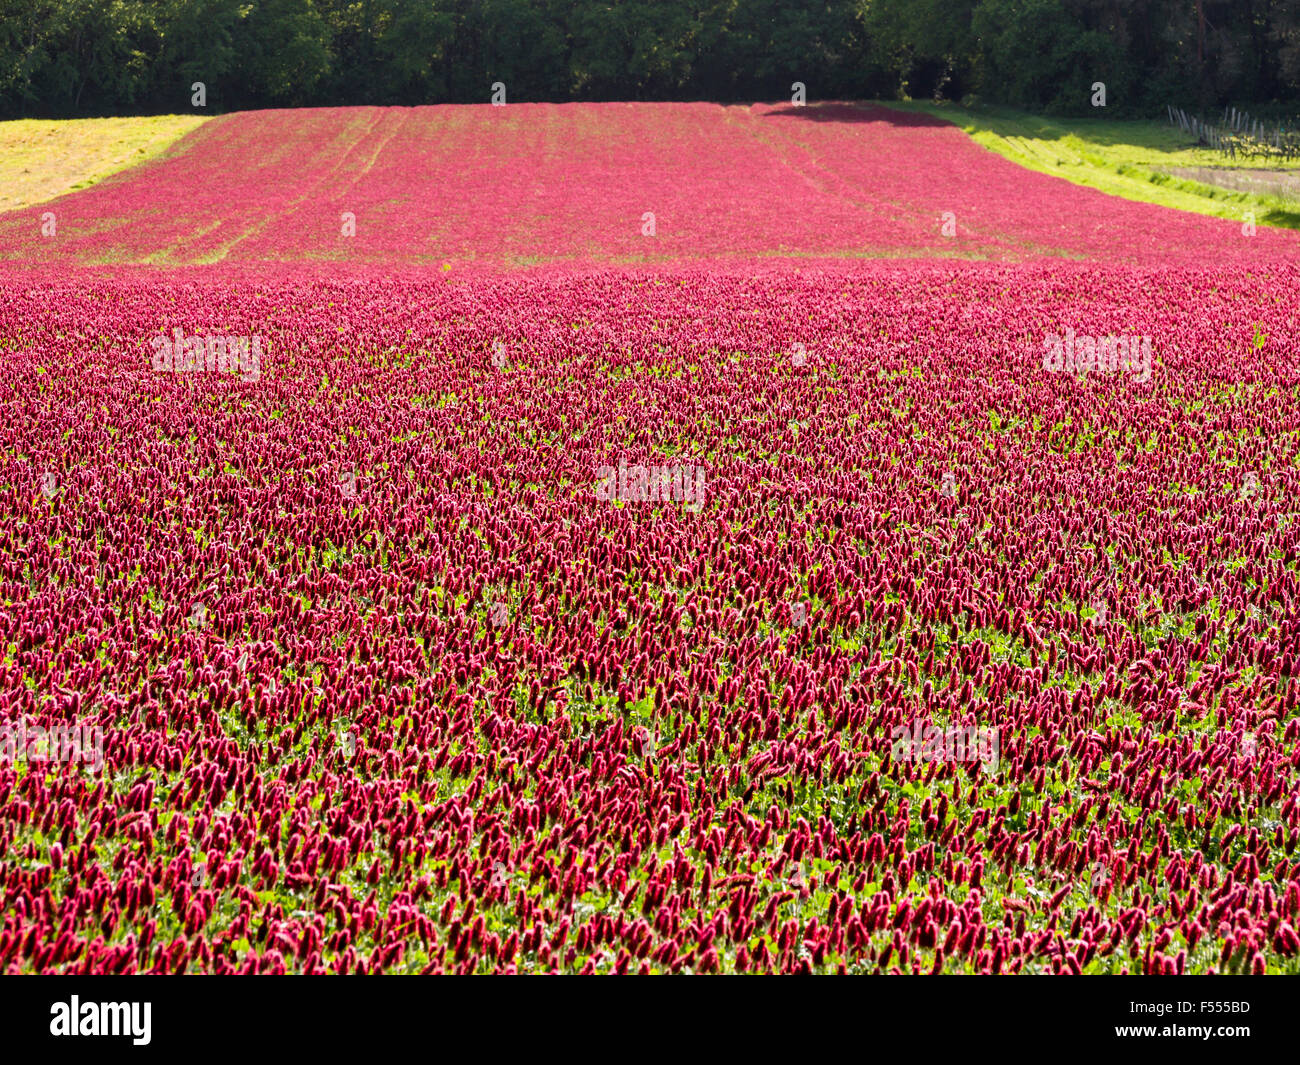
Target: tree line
<point>66,58</point>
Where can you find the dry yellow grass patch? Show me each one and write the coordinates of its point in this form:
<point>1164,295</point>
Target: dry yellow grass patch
<point>44,158</point>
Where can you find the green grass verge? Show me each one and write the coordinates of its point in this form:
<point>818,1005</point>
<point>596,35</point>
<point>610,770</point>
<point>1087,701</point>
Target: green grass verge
<point>1119,157</point>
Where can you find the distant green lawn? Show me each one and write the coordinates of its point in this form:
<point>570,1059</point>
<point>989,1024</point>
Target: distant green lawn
<point>1121,157</point>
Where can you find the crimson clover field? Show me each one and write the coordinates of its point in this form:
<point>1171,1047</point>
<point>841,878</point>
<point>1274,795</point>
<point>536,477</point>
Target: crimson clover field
<point>384,684</point>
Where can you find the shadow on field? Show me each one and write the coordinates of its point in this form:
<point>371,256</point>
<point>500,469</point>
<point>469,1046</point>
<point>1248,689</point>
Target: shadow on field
<point>857,113</point>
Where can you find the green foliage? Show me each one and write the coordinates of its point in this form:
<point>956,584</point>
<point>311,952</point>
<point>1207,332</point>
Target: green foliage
<point>1040,57</point>
<point>63,58</point>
